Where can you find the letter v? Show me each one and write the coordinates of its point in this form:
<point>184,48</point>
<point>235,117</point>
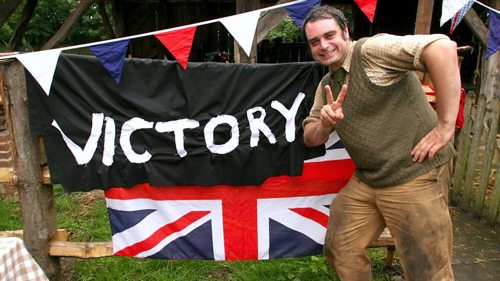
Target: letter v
<point>83,156</point>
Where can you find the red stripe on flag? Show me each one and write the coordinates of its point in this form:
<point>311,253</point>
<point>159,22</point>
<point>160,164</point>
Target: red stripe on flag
<point>312,214</point>
<point>161,233</point>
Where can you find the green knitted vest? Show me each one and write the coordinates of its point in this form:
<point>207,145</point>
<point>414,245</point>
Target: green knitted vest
<point>382,124</point>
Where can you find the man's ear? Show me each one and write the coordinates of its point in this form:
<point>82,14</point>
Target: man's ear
<point>345,34</point>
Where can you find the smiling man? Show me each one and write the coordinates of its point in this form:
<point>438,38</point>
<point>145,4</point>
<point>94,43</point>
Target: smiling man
<point>400,146</point>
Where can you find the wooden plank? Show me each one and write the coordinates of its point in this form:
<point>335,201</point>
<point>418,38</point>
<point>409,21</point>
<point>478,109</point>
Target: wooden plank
<point>424,16</point>
<point>476,25</point>
<point>489,152</point>
<point>463,149</point>
<point>80,249</point>
<point>8,175</point>
<point>60,235</point>
<point>495,200</point>
<point>36,200</point>
<point>87,250</point>
<point>477,132</point>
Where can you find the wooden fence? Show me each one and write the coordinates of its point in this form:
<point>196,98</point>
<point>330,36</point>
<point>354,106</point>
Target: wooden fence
<point>476,182</point>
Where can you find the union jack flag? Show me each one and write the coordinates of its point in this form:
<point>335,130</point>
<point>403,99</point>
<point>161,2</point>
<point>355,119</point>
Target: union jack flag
<point>284,217</point>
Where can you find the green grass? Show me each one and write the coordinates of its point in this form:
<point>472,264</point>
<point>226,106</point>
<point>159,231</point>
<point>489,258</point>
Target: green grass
<point>85,216</point>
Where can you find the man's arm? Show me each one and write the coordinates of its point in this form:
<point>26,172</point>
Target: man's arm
<point>441,62</point>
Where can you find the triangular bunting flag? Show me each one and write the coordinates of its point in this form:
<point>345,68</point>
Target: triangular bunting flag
<point>42,66</point>
<point>242,27</point>
<point>460,15</point>
<point>450,8</point>
<point>493,45</point>
<point>178,43</point>
<point>112,57</point>
<point>298,12</point>
<point>368,7</point>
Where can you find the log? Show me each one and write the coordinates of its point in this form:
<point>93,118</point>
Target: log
<point>36,200</point>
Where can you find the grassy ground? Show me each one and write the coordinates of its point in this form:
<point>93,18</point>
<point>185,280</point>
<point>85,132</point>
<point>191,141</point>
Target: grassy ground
<point>85,215</point>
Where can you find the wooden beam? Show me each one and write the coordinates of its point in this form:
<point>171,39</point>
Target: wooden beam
<point>60,235</point>
<point>424,16</point>
<point>476,25</point>
<point>81,249</point>
<point>36,200</point>
<point>270,20</point>
<point>8,175</point>
<point>105,19</point>
<point>68,24</point>
<point>239,54</point>
<point>17,36</point>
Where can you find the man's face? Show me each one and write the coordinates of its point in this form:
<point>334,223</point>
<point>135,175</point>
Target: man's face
<point>328,42</point>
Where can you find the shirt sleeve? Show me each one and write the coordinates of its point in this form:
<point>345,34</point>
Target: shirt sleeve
<point>387,57</point>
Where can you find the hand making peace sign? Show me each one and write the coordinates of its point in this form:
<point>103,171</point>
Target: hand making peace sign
<point>331,113</point>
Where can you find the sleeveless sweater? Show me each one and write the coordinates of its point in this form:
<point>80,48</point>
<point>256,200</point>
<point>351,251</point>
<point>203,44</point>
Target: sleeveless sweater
<point>382,124</point>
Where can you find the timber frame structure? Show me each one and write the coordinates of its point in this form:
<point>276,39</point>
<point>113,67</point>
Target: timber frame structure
<point>41,236</point>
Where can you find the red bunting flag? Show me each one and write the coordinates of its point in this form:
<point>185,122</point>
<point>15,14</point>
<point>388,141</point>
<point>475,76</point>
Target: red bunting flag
<point>178,43</point>
<point>368,7</point>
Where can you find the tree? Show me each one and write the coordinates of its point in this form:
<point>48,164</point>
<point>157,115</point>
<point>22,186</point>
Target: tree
<point>48,17</point>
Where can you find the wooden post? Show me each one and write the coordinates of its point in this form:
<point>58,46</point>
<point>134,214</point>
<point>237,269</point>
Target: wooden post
<point>239,54</point>
<point>495,200</point>
<point>36,199</point>
<point>489,153</point>
<point>463,148</point>
<point>424,16</point>
<point>477,132</point>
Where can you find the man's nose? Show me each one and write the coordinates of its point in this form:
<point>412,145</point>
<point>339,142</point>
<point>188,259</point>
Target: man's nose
<point>323,43</point>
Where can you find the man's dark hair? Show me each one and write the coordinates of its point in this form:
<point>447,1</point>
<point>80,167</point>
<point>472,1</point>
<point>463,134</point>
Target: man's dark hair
<point>326,12</point>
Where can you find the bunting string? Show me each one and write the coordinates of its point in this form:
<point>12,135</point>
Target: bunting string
<point>487,7</point>
<point>152,33</point>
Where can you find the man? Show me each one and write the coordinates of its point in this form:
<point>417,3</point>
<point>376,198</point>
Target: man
<point>400,147</point>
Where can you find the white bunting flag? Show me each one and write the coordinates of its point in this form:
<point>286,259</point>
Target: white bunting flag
<point>242,27</point>
<point>41,65</point>
<point>450,8</point>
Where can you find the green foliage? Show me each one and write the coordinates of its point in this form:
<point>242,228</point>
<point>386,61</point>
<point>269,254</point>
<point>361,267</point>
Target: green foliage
<point>48,17</point>
<point>85,215</point>
<point>10,214</point>
<point>287,30</point>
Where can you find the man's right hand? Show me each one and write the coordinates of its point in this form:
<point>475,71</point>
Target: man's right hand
<point>317,133</point>
<point>331,113</point>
